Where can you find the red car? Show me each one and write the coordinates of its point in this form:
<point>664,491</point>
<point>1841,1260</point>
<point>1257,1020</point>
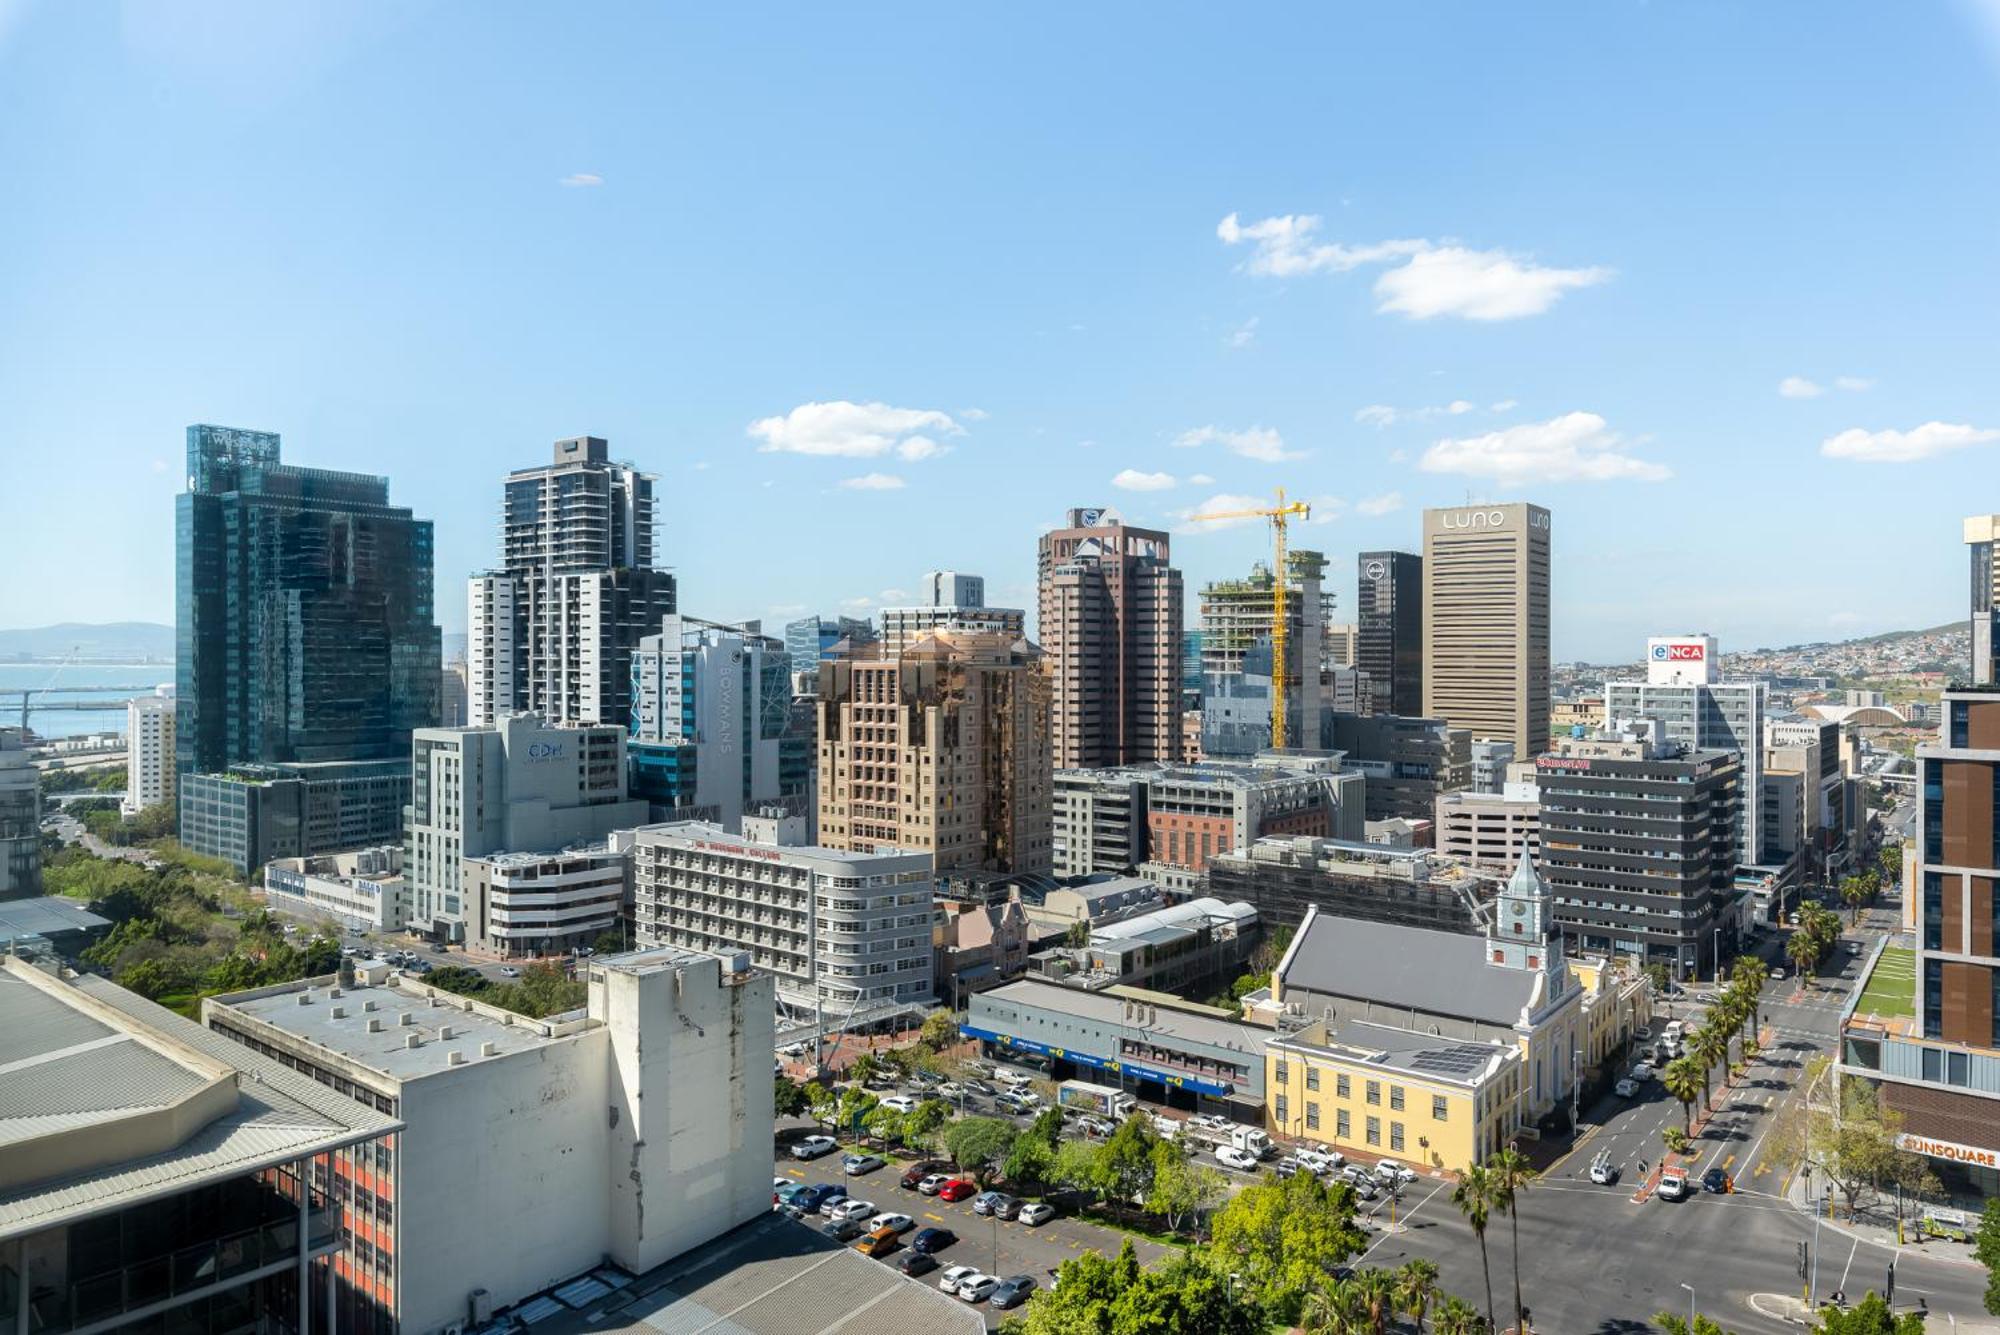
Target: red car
<point>957,1190</point>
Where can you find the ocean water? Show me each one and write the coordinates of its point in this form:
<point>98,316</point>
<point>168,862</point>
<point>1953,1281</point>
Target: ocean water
<point>107,711</point>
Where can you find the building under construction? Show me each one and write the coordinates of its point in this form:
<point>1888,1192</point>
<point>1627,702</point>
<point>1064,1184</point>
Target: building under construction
<point>1280,877</point>
<point>1236,620</point>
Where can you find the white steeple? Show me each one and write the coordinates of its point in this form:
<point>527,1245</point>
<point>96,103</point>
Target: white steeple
<point>1523,930</point>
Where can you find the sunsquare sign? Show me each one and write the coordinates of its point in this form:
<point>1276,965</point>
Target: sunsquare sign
<point>1947,1149</point>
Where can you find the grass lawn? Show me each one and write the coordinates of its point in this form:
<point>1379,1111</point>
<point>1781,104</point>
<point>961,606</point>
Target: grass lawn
<point>1891,988</point>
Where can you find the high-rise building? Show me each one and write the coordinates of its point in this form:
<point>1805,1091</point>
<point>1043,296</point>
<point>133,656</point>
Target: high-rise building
<point>1236,621</point>
<point>20,820</point>
<point>812,640</point>
<point>1982,538</point>
<point>1639,840</point>
<point>849,933</point>
<point>1486,622</point>
<point>952,601</point>
<point>1408,763</point>
<point>1490,759</point>
<point>1684,690</point>
<point>943,748</point>
<point>247,815</point>
<point>149,751</point>
<point>519,786</point>
<point>551,631</point>
<point>714,731</point>
<point>1110,626</point>
<point>305,627</point>
<point>1343,644</point>
<point>1389,630</point>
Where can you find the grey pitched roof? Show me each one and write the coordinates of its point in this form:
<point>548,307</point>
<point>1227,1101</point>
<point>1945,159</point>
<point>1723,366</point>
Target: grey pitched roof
<point>46,916</point>
<point>1410,968</point>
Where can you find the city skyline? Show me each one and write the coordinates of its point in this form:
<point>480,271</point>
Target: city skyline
<point>416,255</point>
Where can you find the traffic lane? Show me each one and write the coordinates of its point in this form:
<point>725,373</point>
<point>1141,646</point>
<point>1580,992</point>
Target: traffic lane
<point>1034,1251</point>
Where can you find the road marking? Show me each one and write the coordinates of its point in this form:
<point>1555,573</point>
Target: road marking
<point>1842,1286</point>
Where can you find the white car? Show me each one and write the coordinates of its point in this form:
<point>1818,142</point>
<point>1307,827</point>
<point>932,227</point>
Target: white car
<point>509,971</point>
<point>1209,1122</point>
<point>975,1288</point>
<point>1166,1127</point>
<point>1018,1079</point>
<point>1641,1073</point>
<point>1392,1172</point>
<point>949,1281</point>
<point>1036,1214</point>
<point>1231,1157</point>
<point>900,1223</point>
<point>902,1103</point>
<point>1626,1089</point>
<point>851,1209</point>
<point>950,1090</point>
<point>1317,1161</point>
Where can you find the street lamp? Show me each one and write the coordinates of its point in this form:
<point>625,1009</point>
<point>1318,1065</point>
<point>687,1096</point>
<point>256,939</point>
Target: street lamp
<point>1690,1289</point>
<point>1812,1290</point>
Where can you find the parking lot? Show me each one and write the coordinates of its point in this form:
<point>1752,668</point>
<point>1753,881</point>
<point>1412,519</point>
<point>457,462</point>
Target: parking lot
<point>999,1247</point>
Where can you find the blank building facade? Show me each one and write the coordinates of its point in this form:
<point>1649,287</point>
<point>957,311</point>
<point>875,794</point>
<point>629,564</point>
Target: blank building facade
<point>1486,622</point>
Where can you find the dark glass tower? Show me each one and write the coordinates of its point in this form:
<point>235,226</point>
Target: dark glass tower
<point>305,620</point>
<point>1389,631</point>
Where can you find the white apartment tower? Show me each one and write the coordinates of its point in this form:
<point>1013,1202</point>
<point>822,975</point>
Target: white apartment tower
<point>149,751</point>
<point>1685,692</point>
<point>952,601</point>
<point>552,630</point>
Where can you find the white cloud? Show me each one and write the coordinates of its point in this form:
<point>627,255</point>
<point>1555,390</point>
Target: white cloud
<point>1373,506</point>
<point>786,609</point>
<point>974,414</point>
<point>1261,443</point>
<point>1476,285</point>
<point>872,482</point>
<point>1325,509</point>
<point>1244,334</point>
<point>1283,247</point>
<point>1576,447</point>
<point>585,179</point>
<point>894,596</point>
<point>845,430</point>
<point>1192,519</point>
<point>1200,480</point>
<point>1903,447</point>
<point>1798,387</point>
<point>859,602</point>
<point>1853,383</point>
<point>1398,456</point>
<point>1458,407</point>
<point>1504,406</point>
<point>701,465</point>
<point>1131,479</point>
<point>1376,415</point>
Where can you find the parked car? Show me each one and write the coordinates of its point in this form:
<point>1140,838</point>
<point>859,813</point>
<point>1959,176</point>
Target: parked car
<point>1626,1089</point>
<point>1643,1032</point>
<point>1394,1173</point>
<point>785,1189</point>
<point>1673,1184</point>
<point>812,1147</point>
<point>1037,1213</point>
<point>977,1288</point>
<point>1641,1072</point>
<point>1011,1292</point>
<point>832,1200</point>
<point>509,971</point>
<point>1778,973</point>
<point>1715,1180</point>
<point>897,1223</point>
<point>917,1172</point>
<point>1289,1166</point>
<point>1209,1122</point>
<point>1019,1104</point>
<point>956,1190</point>
<point>933,1184</point>
<point>902,1103</point>
<point>917,1263</point>
<point>843,1230</point>
<point>1231,1157</point>
<point>932,1240</point>
<point>807,1199</point>
<point>852,1209</point>
<point>1018,1079</point>
<point>994,1203</point>
<point>1320,1161</point>
<point>877,1242</point>
<point>855,1164</point>
<point>949,1281</point>
<point>981,1087</point>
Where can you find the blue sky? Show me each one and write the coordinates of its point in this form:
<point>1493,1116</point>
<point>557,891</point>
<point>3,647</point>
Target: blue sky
<point>1014,254</point>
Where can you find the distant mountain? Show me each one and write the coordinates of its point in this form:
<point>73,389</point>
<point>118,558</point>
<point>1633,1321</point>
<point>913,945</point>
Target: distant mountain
<point>129,641</point>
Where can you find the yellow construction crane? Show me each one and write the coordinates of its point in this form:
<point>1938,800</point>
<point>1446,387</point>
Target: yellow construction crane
<point>1278,515</point>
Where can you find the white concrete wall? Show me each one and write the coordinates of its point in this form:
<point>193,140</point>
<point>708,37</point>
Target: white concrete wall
<point>501,1176</point>
<point>691,1103</point>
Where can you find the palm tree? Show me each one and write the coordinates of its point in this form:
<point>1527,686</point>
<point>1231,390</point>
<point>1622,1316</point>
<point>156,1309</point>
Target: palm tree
<point>1711,1048</point>
<point>1853,890</point>
<point>1374,1291</point>
<point>1511,1176</point>
<point>1803,952</point>
<point>1683,1082</point>
<point>1474,1198</point>
<point>1417,1288</point>
<point>1456,1317</point>
<point>1330,1309</point>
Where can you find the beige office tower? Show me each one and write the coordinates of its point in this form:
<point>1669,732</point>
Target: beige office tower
<point>1110,624</point>
<point>1486,622</point>
<point>941,749</point>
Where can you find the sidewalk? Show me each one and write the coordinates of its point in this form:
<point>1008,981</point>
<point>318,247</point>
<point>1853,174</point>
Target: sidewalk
<point>1875,1223</point>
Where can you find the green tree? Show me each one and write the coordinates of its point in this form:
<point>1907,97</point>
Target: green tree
<point>1078,1167</point>
<point>1684,1083</point>
<point>1512,1175</point>
<point>1375,1294</point>
<point>455,978</point>
<point>939,1032</point>
<point>864,1068</point>
<point>1803,952</point>
<point>788,1097</point>
<point>922,1124</point>
<point>1455,1316</point>
<point>852,1109</point>
<point>1183,1190</point>
<point>1077,935</point>
<point>1474,1197</point>
<point>885,1124</point>
<point>979,1145</point>
<point>1708,1047</point>
<point>1030,1161</point>
<point>150,978</point>
<point>1673,1323</point>
<point>1986,1247</point>
<point>611,942</point>
<point>1854,893</point>
<point>822,1103</point>
<point>1128,1159</point>
<point>1870,1316</point>
<point>1417,1288</point>
<point>1186,1295</point>
<point>1285,1238</point>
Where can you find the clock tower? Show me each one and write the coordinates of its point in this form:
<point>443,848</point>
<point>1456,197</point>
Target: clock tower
<point>1523,932</point>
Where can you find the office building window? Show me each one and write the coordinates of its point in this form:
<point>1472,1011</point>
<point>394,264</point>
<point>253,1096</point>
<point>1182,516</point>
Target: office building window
<point>1312,1078</point>
<point>1281,1110</point>
<point>1374,1131</point>
<point>1933,1065</point>
<point>1312,1115</point>
<point>1395,1135</point>
<point>1341,1087</point>
<point>1374,1091</point>
<point>1957,1068</point>
<point>1396,1097</point>
<point>1440,1108</point>
<point>1284,1074</point>
<point>1343,1125</point>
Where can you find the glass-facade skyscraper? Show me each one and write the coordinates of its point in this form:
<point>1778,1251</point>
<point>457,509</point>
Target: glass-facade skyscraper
<point>306,632</point>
